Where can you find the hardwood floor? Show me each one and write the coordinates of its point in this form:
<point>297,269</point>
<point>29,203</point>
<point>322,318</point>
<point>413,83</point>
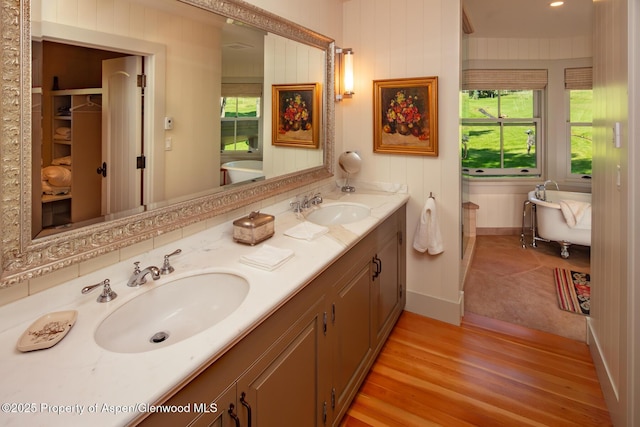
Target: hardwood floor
<point>483,373</point>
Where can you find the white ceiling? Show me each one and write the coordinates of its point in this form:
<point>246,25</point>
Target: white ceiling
<point>529,18</point>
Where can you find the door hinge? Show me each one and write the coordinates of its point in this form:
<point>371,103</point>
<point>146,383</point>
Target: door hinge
<point>400,238</point>
<point>333,313</point>
<point>324,412</point>
<point>141,162</point>
<point>142,80</point>
<point>333,398</point>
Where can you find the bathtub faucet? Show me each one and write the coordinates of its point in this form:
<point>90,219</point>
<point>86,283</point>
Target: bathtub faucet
<point>541,190</point>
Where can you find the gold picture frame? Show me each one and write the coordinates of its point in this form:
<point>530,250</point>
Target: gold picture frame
<point>406,116</point>
<point>296,115</point>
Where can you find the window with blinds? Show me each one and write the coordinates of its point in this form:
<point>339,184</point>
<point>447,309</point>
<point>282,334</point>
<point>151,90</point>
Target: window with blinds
<point>240,117</point>
<point>502,122</point>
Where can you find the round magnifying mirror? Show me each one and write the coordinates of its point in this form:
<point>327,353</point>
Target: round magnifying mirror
<point>349,162</point>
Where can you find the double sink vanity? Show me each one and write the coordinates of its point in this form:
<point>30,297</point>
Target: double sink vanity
<point>219,342</point>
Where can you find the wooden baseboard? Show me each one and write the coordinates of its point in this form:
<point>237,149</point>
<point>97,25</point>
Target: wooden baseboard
<point>499,231</point>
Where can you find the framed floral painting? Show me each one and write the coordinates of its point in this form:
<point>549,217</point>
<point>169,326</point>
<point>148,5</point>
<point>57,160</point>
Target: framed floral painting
<point>406,116</point>
<point>296,112</point>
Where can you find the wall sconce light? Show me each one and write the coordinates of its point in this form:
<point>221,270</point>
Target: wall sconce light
<point>344,73</point>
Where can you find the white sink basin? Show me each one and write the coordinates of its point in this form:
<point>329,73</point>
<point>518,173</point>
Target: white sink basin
<point>171,312</point>
<point>339,213</point>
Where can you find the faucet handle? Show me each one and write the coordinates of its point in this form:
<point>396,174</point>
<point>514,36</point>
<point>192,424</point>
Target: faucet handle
<point>316,199</point>
<point>136,269</point>
<point>297,208</point>
<point>166,266</point>
<point>107,293</point>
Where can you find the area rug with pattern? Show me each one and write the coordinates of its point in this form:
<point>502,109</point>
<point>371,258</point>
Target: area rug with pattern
<point>573,290</point>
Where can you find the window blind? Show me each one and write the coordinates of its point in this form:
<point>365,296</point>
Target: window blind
<point>242,90</point>
<point>578,78</point>
<point>504,79</point>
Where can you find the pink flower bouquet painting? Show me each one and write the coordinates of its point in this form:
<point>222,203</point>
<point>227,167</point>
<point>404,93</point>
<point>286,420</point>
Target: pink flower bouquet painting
<point>406,116</point>
<point>295,115</point>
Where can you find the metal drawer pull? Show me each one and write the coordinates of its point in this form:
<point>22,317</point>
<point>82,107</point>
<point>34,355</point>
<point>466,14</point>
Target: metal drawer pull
<point>246,405</point>
<point>233,415</point>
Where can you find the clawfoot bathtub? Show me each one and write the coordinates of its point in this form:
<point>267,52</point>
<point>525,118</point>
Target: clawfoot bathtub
<point>549,224</point>
<point>243,170</point>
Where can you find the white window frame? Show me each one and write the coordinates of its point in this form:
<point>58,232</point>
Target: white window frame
<point>237,119</point>
<point>509,173</point>
<point>576,177</point>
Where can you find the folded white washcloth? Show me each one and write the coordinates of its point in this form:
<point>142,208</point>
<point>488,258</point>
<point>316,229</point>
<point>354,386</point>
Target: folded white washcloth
<point>428,236</point>
<point>307,231</point>
<point>267,257</point>
<point>577,214</point>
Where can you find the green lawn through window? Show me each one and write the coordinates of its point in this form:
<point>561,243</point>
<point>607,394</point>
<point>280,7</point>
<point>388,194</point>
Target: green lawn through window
<point>483,139</point>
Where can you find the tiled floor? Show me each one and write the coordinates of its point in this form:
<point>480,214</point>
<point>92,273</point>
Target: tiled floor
<point>514,284</point>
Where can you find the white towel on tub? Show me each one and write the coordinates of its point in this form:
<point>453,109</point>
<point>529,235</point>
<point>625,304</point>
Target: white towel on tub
<point>428,236</point>
<point>577,214</point>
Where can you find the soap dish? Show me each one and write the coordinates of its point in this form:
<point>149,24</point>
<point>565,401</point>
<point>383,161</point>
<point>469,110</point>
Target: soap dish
<point>47,331</point>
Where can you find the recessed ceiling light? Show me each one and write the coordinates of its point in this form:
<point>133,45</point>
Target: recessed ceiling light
<point>556,3</point>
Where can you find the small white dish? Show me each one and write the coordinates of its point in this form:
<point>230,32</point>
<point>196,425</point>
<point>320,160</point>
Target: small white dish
<point>47,331</point>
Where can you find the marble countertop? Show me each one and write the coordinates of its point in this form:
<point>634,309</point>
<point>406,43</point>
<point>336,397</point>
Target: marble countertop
<point>77,382</point>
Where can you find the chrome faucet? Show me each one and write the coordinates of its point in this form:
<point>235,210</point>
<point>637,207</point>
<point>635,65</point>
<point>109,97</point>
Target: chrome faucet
<point>107,293</point>
<point>315,200</point>
<point>167,268</point>
<point>541,189</point>
<point>139,276</point>
<point>296,205</point>
<point>305,202</point>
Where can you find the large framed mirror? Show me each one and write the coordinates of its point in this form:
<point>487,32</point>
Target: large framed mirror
<point>174,121</point>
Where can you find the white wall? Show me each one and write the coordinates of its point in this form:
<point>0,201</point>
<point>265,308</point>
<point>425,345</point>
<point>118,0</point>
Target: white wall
<point>402,39</point>
<point>324,17</point>
<point>614,324</point>
<point>515,49</point>
<point>288,62</point>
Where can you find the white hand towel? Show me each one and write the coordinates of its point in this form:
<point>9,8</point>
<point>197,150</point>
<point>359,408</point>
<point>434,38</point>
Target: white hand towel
<point>307,231</point>
<point>577,214</point>
<point>267,257</point>
<point>428,236</point>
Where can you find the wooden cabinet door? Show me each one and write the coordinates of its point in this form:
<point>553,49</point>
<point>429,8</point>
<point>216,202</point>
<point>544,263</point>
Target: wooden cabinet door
<point>351,338</point>
<point>220,412</point>
<point>385,283</point>
<point>283,387</point>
